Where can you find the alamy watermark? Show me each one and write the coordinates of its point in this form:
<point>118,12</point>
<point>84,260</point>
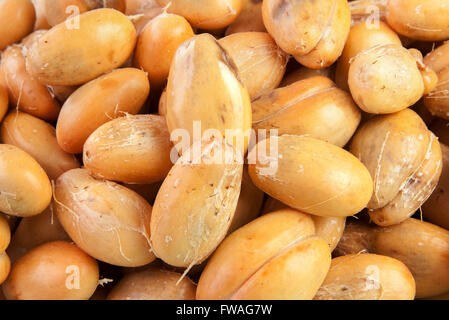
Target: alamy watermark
<point>213,146</point>
<point>72,281</point>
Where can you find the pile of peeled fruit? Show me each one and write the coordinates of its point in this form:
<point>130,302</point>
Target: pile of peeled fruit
<point>224,149</point>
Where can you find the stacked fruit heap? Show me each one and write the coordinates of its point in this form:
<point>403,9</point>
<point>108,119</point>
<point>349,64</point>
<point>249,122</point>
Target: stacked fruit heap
<point>334,184</point>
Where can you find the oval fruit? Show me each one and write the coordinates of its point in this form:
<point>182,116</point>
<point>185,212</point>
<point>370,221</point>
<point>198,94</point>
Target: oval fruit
<point>53,271</point>
<point>205,14</point>
<point>16,21</point>
<point>130,149</point>
<point>108,221</point>
<point>372,85</point>
<point>26,92</point>
<point>362,36</point>
<point>157,45</point>
<point>205,89</point>
<point>196,203</point>
<point>260,62</point>
<point>97,102</point>
<point>68,55</point>
<point>273,257</point>
<point>38,139</point>
<point>311,175</point>
<point>367,277</point>
<point>314,107</point>
<point>153,284</point>
<point>410,18</point>
<point>25,188</point>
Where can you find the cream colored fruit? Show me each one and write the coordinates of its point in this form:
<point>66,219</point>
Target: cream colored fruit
<point>273,257</point>
<point>108,221</point>
<point>53,271</point>
<point>195,205</point>
<point>25,187</point>
<point>311,175</point>
<point>72,56</point>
